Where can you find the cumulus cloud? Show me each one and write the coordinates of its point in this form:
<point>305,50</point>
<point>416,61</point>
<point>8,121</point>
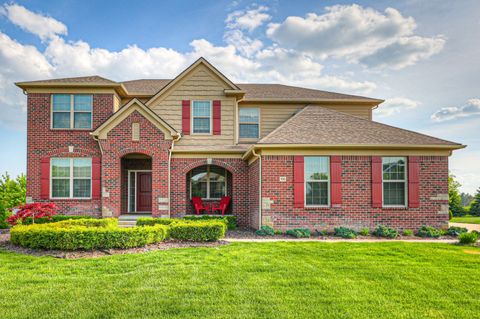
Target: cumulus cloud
<point>43,26</point>
<point>395,105</point>
<point>357,34</point>
<point>471,108</point>
<point>249,19</point>
<point>244,44</point>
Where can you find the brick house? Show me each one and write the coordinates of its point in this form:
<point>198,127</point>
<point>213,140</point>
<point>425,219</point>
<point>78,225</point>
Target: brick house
<point>287,156</point>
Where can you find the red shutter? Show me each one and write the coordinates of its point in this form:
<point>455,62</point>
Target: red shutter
<point>413,172</point>
<point>96,174</point>
<point>298,182</point>
<point>45,178</point>
<point>336,180</point>
<point>217,117</point>
<point>186,117</point>
<point>376,181</point>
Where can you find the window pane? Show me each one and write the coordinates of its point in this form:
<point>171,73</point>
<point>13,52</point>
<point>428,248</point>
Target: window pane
<point>60,167</point>
<point>131,192</point>
<point>61,102</point>
<point>60,188</point>
<point>316,194</point>
<point>249,115</point>
<point>248,131</point>
<point>199,182</point>
<point>61,120</point>
<point>393,168</point>
<point>217,173</point>
<point>81,188</point>
<point>217,189</point>
<point>394,193</point>
<point>82,120</point>
<point>317,168</point>
<point>82,103</point>
<point>201,125</point>
<point>82,167</point>
<point>201,108</point>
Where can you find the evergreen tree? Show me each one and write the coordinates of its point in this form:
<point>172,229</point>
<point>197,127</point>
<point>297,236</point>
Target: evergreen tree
<point>454,199</point>
<point>475,205</point>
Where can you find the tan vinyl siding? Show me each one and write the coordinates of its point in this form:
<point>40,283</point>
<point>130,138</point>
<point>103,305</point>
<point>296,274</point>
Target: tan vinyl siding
<point>200,84</point>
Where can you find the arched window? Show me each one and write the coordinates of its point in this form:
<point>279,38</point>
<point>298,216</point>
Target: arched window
<point>208,182</point>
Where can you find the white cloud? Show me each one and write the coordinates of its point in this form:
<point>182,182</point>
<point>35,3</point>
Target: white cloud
<point>38,24</point>
<point>244,44</point>
<point>395,105</point>
<point>249,19</point>
<point>357,34</point>
<point>471,108</point>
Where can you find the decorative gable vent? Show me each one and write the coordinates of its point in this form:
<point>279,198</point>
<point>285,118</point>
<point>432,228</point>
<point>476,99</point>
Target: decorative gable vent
<point>135,131</point>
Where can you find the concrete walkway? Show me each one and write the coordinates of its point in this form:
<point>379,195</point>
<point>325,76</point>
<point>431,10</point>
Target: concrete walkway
<point>358,240</point>
<point>470,227</point>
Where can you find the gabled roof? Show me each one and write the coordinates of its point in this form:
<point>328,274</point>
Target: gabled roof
<point>134,105</point>
<point>316,125</point>
<point>200,61</point>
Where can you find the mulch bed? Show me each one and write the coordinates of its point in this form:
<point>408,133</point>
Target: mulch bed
<point>6,245</point>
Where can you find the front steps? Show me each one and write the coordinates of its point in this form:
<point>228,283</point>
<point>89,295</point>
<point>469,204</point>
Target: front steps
<point>130,220</point>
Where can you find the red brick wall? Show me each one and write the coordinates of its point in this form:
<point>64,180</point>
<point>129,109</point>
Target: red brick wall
<point>356,210</point>
<point>118,144</point>
<point>253,193</point>
<point>45,142</point>
<point>180,199</point>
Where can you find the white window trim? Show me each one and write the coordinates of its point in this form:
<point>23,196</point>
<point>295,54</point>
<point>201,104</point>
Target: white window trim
<point>72,114</point>
<point>208,184</point>
<point>136,171</point>
<point>70,178</point>
<point>192,117</point>
<point>240,122</point>
<point>320,181</point>
<point>397,181</point>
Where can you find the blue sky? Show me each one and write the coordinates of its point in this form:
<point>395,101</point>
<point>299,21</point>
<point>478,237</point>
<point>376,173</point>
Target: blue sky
<point>420,56</point>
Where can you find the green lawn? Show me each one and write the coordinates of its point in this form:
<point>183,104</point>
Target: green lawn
<point>466,219</point>
<point>249,280</point>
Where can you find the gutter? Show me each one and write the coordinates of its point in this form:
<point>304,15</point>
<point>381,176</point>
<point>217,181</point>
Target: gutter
<point>179,136</point>
<point>259,187</point>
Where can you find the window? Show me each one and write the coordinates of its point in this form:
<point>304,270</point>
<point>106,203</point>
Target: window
<point>201,117</point>
<point>72,111</point>
<point>208,182</point>
<point>249,122</point>
<point>394,181</point>
<point>71,177</point>
<point>317,181</point>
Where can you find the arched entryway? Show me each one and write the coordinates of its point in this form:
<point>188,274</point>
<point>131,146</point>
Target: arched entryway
<point>209,182</point>
<point>136,183</point>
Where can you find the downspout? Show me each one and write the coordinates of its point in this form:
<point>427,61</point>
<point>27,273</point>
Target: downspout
<point>99,144</point>
<point>259,187</point>
<point>170,150</point>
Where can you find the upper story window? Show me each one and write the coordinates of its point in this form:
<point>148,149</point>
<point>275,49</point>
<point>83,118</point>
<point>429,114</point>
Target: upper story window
<point>317,180</point>
<point>394,181</point>
<point>72,111</point>
<point>71,177</point>
<point>249,121</point>
<point>201,117</point>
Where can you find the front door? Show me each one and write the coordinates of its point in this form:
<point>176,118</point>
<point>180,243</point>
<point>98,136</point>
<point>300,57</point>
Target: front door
<point>144,191</point>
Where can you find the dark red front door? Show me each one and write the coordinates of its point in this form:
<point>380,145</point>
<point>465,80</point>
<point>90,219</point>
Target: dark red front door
<point>144,191</point>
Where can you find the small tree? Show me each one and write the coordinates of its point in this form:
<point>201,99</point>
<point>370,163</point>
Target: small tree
<point>12,193</point>
<point>454,199</point>
<point>475,205</point>
<point>33,211</point>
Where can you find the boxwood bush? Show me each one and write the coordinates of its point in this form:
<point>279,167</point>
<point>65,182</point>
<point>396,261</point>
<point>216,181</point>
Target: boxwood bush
<point>66,236</point>
<point>299,232</point>
<point>150,221</point>
<point>345,232</point>
<point>197,230</point>
<point>230,221</point>
<point>384,231</point>
<point>55,218</point>
<point>428,231</point>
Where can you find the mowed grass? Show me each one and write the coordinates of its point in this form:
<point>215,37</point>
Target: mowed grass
<point>249,280</point>
<point>466,219</point>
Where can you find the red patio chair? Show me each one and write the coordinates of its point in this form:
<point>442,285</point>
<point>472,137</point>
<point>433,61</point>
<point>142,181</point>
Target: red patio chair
<point>224,202</point>
<point>199,206</point>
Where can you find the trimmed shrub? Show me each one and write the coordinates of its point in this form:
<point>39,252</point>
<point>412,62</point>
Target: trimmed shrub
<point>299,232</point>
<point>265,231</point>
<point>54,219</point>
<point>468,238</point>
<point>73,237</point>
<point>364,232</point>
<point>408,232</point>
<point>230,221</point>
<point>88,222</point>
<point>428,232</point>
<point>197,230</point>
<point>149,221</point>
<point>384,231</point>
<point>455,231</point>
<point>345,232</point>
